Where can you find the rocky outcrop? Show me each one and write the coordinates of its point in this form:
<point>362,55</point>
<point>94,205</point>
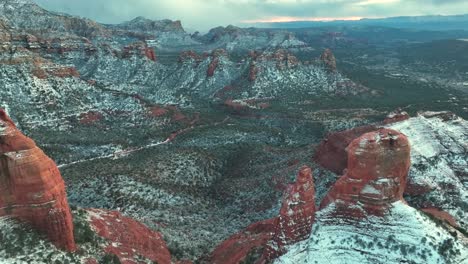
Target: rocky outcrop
<point>281,57</point>
<point>129,239</point>
<point>396,116</point>
<point>296,217</point>
<point>247,244</point>
<point>141,24</point>
<point>31,187</point>
<point>215,60</point>
<point>378,164</point>
<point>212,67</point>
<point>331,152</point>
<point>189,55</point>
<point>253,71</point>
<point>438,170</point>
<point>329,60</point>
<point>28,16</point>
<point>266,240</point>
<point>139,49</point>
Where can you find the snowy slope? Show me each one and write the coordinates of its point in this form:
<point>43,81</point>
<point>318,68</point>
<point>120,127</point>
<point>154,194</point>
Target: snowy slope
<point>403,235</point>
<point>439,162</point>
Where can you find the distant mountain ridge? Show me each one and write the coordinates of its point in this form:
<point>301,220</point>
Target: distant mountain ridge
<point>431,22</point>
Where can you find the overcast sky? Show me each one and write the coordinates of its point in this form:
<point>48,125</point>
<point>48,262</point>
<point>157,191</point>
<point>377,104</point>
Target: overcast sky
<point>205,14</point>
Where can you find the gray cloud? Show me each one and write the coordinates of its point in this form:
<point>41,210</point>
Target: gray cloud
<point>204,14</point>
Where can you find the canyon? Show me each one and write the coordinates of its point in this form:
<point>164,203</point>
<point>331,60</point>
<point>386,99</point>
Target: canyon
<point>140,142</point>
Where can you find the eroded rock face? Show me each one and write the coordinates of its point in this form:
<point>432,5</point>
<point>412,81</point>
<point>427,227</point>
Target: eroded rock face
<point>264,241</point>
<point>329,60</point>
<point>331,153</point>
<point>378,164</point>
<point>296,216</point>
<point>31,187</point>
<point>128,238</point>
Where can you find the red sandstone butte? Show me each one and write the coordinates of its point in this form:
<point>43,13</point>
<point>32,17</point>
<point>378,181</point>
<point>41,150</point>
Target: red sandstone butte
<point>331,154</point>
<point>31,187</point>
<point>296,217</point>
<point>378,165</point>
<point>128,239</point>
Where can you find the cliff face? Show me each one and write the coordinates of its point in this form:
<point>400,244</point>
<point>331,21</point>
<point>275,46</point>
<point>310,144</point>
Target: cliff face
<point>266,240</point>
<point>378,164</point>
<point>31,187</point>
<point>331,153</point>
<point>296,216</point>
<point>364,218</point>
<point>438,156</point>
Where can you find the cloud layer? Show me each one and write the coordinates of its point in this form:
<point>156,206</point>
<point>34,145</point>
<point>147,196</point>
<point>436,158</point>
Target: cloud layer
<point>204,14</point>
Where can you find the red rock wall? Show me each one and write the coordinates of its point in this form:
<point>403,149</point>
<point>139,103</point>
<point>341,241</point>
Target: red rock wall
<point>150,54</point>
<point>212,67</point>
<point>31,187</point>
<point>266,240</point>
<point>378,165</point>
<point>332,155</point>
<point>296,216</point>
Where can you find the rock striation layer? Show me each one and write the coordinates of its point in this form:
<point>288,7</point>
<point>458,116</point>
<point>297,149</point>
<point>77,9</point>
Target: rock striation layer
<point>331,152</point>
<point>296,217</point>
<point>31,187</point>
<point>378,164</point>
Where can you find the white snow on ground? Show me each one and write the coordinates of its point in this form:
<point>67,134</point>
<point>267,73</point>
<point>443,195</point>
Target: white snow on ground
<point>403,235</point>
<point>439,147</point>
<point>19,245</point>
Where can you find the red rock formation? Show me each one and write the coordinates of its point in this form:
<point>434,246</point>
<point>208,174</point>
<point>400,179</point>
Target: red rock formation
<point>31,187</point>
<point>249,242</point>
<point>215,55</point>
<point>396,116</point>
<point>212,67</point>
<point>128,239</point>
<point>189,55</point>
<point>378,165</point>
<point>139,49</point>
<point>150,54</point>
<point>441,215</point>
<point>296,216</point>
<point>266,240</point>
<point>329,60</point>
<point>331,154</point>
<point>253,71</point>
<point>282,58</point>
